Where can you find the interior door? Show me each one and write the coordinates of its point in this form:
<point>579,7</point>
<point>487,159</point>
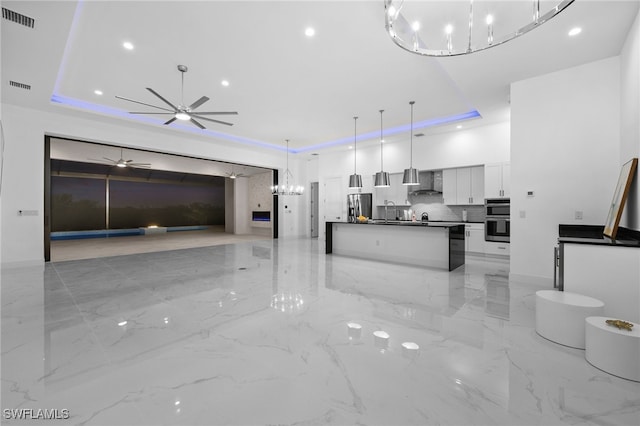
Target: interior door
<point>314,210</point>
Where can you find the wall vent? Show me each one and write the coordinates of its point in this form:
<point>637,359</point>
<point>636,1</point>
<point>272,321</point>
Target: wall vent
<point>18,18</point>
<point>19,85</point>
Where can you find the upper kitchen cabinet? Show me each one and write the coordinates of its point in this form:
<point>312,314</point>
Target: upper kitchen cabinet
<point>497,179</point>
<point>396,193</point>
<point>463,186</point>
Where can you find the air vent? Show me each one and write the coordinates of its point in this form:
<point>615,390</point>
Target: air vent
<point>419,135</point>
<point>18,18</point>
<point>19,85</point>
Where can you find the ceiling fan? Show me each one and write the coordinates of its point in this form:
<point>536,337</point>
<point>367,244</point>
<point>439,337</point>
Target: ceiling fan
<point>122,162</point>
<point>180,111</point>
<point>234,175</point>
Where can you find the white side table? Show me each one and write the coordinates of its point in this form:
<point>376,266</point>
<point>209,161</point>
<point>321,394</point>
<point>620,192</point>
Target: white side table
<point>560,316</point>
<point>612,350</point>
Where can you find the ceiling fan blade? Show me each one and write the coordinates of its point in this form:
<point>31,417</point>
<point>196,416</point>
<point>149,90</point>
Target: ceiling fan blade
<point>137,112</point>
<point>170,121</point>
<point>210,119</point>
<point>109,159</point>
<point>199,102</point>
<point>97,159</point>
<point>196,123</point>
<point>139,165</point>
<point>217,113</point>
<point>163,99</point>
<point>142,103</point>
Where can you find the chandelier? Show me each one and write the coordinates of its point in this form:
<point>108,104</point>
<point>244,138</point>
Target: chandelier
<point>287,189</point>
<point>452,28</point>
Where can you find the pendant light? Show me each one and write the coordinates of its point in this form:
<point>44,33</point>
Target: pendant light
<point>410,176</point>
<point>382,178</point>
<point>355,180</point>
<point>287,189</point>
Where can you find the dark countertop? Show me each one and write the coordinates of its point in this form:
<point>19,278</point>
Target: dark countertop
<point>592,234</point>
<point>430,223</point>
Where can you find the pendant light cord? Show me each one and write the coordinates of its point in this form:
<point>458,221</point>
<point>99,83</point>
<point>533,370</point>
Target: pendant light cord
<point>355,145</point>
<point>411,139</point>
<point>381,165</point>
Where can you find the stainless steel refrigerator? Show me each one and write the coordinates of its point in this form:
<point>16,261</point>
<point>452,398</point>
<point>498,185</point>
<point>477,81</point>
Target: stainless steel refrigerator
<point>359,204</point>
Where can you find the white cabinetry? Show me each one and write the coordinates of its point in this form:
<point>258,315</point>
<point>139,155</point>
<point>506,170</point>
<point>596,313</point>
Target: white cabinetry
<point>463,186</point>
<point>495,248</point>
<point>449,186</point>
<point>474,237</point>
<point>396,193</point>
<point>497,179</point>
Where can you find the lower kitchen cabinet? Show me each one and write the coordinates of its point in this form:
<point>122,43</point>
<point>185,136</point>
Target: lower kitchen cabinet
<point>492,247</point>
<point>474,238</point>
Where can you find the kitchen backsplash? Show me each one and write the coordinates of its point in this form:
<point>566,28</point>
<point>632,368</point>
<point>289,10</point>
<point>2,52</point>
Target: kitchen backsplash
<point>439,211</point>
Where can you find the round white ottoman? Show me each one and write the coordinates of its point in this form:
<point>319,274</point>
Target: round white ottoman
<point>612,350</point>
<point>560,316</point>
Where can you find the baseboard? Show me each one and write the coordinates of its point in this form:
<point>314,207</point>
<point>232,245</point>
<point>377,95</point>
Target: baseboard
<point>22,264</point>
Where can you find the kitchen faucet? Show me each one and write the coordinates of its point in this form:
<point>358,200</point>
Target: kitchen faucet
<point>386,204</point>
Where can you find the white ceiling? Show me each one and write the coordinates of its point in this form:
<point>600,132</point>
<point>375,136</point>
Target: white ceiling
<point>283,84</point>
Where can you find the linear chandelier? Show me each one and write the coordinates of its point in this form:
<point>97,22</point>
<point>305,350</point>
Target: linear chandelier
<point>287,189</point>
<point>453,28</point>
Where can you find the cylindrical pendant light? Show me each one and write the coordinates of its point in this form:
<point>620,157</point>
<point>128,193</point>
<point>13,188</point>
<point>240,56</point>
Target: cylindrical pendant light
<point>382,178</point>
<point>355,180</point>
<point>410,176</point>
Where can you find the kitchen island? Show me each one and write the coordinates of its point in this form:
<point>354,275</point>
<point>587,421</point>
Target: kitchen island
<point>431,244</point>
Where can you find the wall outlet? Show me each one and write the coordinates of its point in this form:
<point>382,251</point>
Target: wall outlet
<point>523,214</point>
<point>578,215</point>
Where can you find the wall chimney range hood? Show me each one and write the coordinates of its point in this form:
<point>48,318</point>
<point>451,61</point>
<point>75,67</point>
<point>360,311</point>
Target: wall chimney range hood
<point>430,183</point>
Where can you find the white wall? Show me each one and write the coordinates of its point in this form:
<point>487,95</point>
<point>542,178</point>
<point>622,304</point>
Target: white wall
<point>242,206</point>
<point>23,174</point>
<point>565,146</point>
<point>473,146</point>
<point>630,113</point>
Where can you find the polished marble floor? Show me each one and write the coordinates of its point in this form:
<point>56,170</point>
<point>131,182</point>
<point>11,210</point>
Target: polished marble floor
<point>263,332</point>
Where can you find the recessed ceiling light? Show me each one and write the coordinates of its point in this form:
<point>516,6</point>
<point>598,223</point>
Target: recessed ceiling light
<point>415,26</point>
<point>350,147</point>
<point>459,126</point>
<point>309,32</point>
<point>127,45</point>
<point>98,92</point>
<point>575,31</point>
<point>225,83</point>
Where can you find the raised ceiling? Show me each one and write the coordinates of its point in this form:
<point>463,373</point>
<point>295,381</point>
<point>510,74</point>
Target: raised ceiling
<point>284,84</point>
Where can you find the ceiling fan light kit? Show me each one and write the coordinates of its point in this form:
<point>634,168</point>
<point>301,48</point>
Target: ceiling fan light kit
<point>180,111</point>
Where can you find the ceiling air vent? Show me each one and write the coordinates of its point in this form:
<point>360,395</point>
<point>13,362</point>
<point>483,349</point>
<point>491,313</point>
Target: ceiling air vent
<point>18,18</point>
<point>19,85</point>
<point>419,135</point>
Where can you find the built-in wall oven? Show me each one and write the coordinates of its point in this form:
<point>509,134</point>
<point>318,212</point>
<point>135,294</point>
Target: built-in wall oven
<point>497,226</point>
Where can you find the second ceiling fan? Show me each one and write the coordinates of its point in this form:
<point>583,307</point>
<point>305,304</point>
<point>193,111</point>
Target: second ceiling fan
<point>180,111</point>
